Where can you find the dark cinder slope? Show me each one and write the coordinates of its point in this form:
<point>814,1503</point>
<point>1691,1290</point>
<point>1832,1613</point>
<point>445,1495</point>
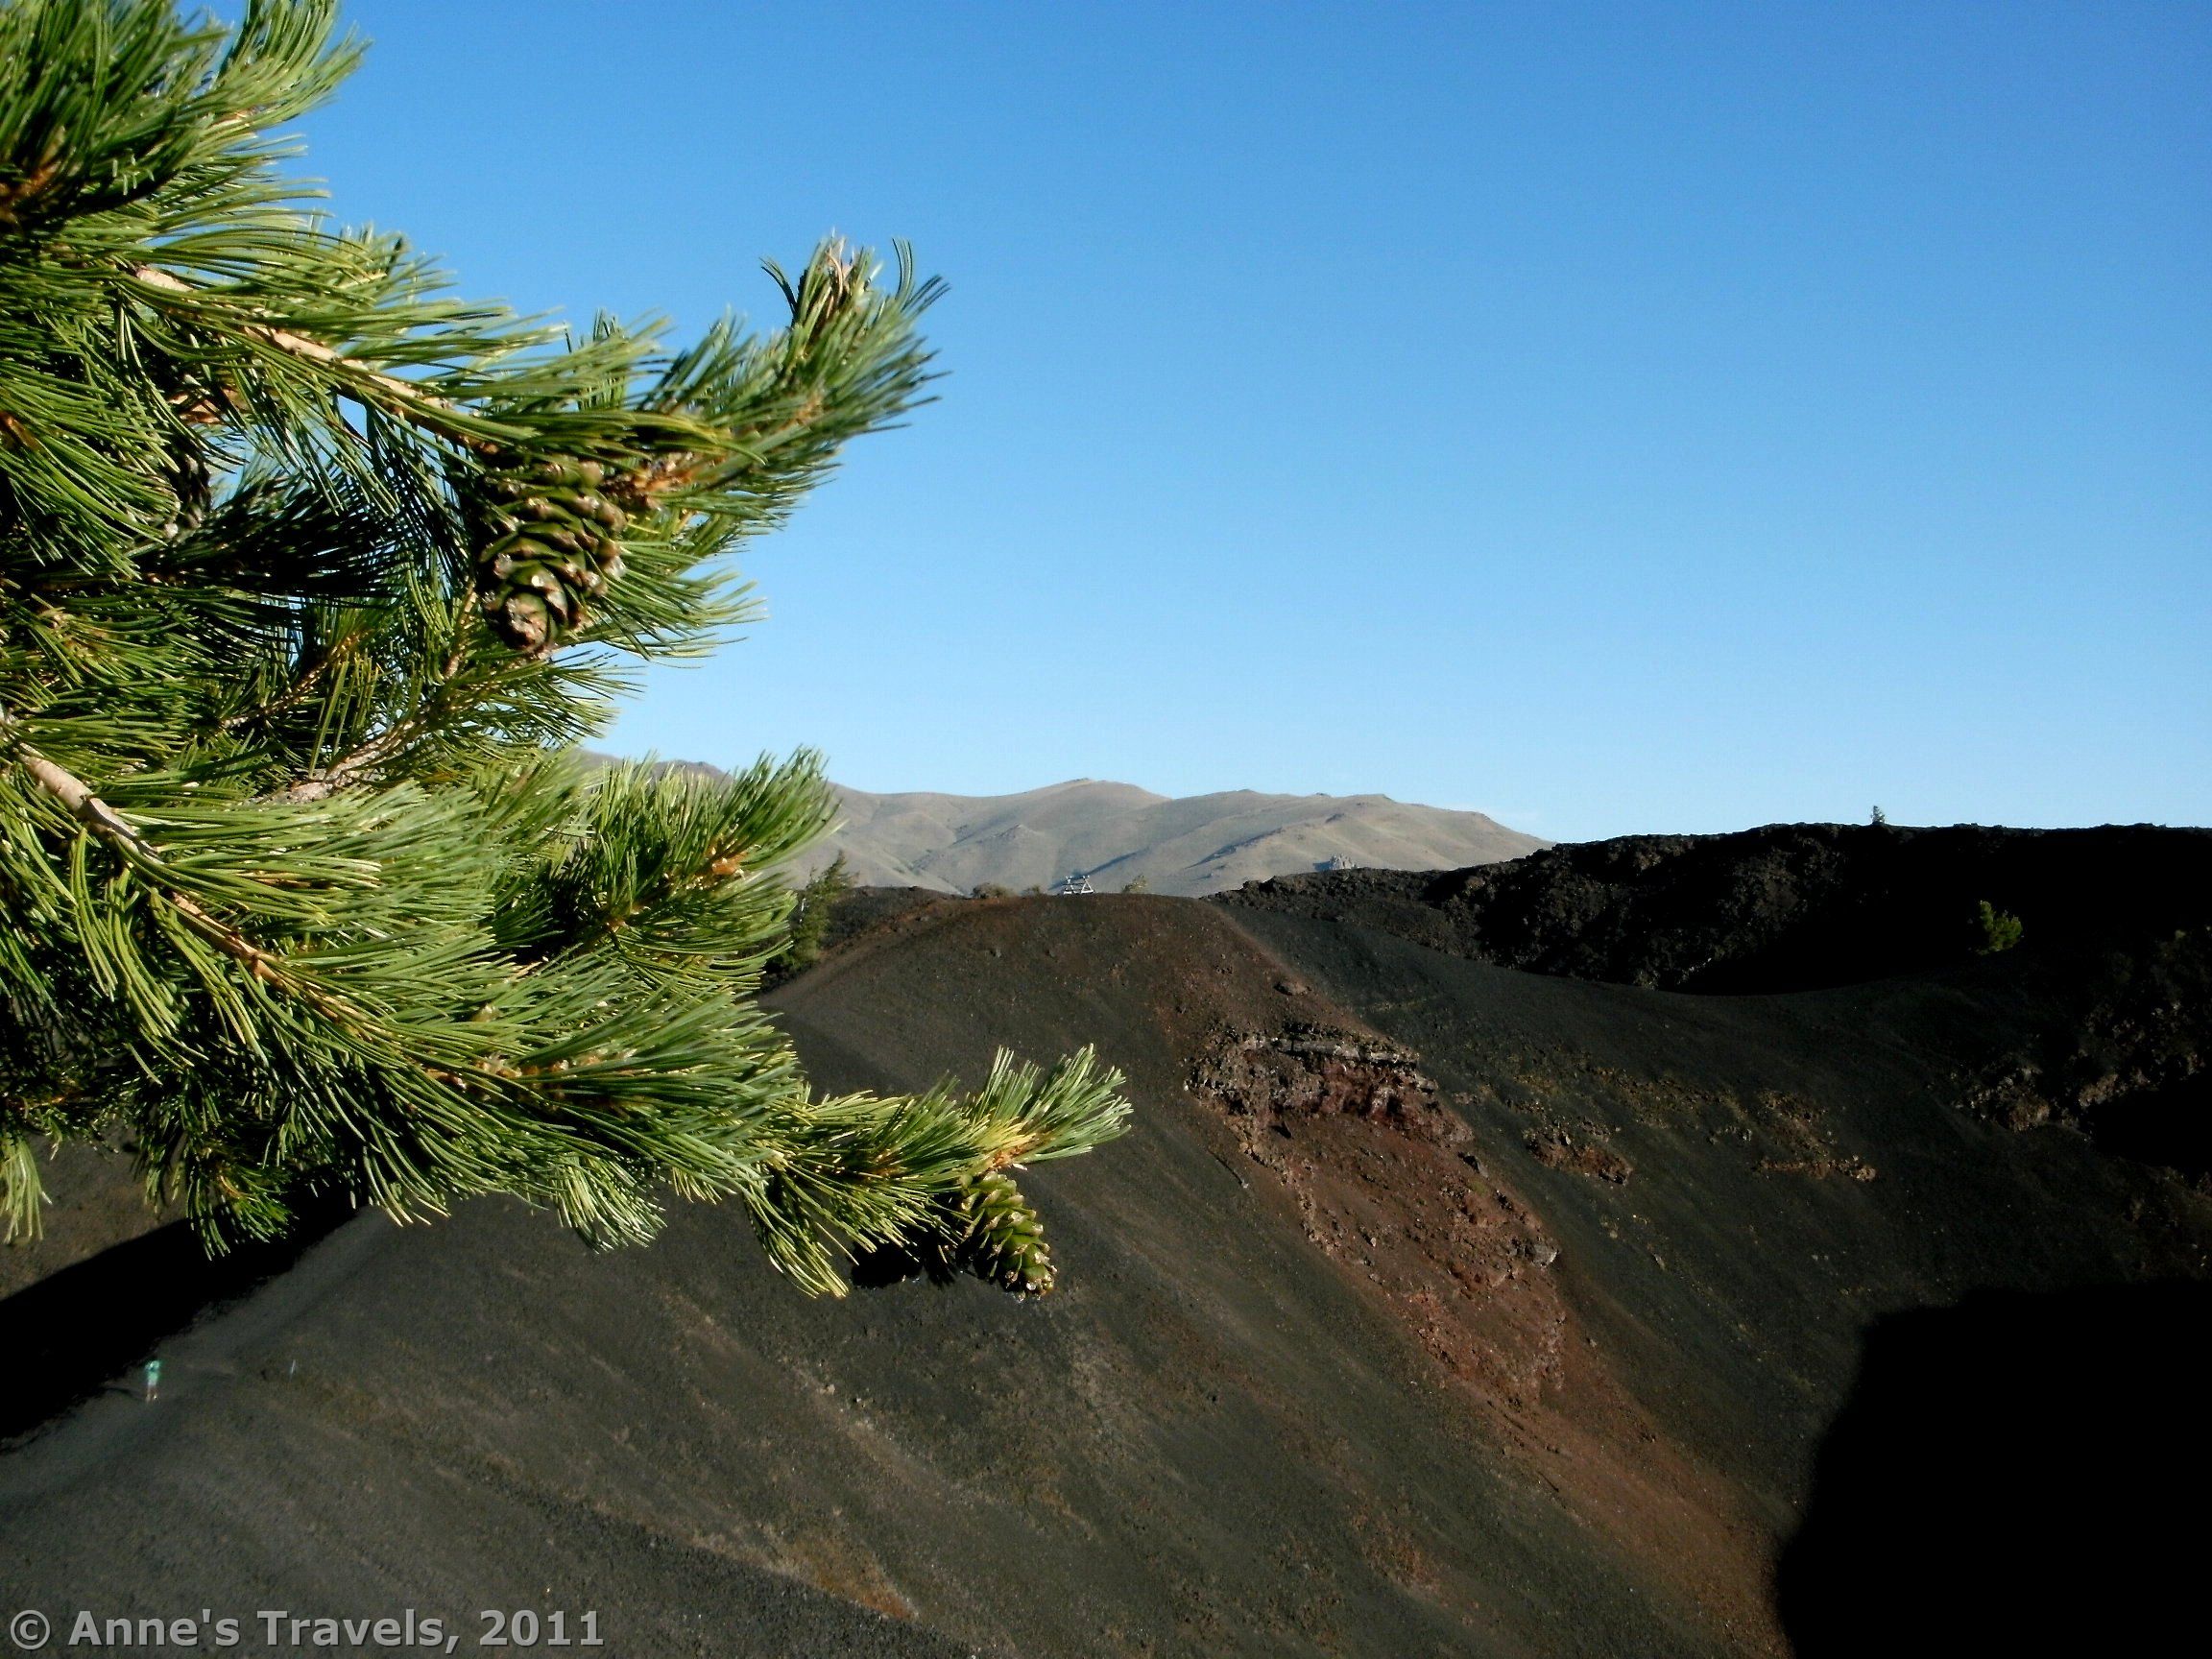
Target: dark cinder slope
<point>1326,1438</point>
<point>2107,997</point>
<point>1220,1437</point>
<point>1873,1218</point>
<point>1432,1308</point>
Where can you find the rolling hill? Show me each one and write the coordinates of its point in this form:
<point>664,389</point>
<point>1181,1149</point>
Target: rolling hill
<point>1116,833</point>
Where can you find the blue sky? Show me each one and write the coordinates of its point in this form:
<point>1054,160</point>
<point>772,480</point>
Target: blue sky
<point>1613,418</point>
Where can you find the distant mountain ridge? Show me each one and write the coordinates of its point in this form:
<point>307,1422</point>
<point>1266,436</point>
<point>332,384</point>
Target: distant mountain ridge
<point>1113,834</point>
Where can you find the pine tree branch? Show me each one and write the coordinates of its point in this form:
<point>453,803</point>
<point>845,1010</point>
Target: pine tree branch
<point>429,713</point>
<point>15,195</point>
<point>267,967</point>
<point>348,973</point>
<point>304,681</point>
<point>642,488</point>
<point>407,400</point>
<point>77,797</point>
<point>351,768</point>
<point>722,864</point>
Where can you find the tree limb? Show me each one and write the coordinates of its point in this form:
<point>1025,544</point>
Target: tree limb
<point>75,795</point>
<point>412,400</point>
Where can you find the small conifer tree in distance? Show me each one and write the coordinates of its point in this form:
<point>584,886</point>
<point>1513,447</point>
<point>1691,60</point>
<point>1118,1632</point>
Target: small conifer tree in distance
<point>807,926</point>
<point>1995,930</point>
<point>311,577</point>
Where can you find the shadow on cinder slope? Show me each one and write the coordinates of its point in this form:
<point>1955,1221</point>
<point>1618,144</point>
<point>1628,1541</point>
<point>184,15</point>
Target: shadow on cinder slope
<point>2015,1473</point>
<point>69,1335</point>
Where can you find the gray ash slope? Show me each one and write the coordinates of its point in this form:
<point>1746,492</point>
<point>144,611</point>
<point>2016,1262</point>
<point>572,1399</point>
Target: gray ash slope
<point>1433,1306</point>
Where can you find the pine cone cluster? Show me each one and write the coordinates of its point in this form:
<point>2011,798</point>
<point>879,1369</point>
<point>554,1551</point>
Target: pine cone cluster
<point>553,545</point>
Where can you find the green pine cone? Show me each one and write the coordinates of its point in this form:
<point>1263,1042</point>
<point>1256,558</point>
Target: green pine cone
<point>989,1231</point>
<point>1003,1237</point>
<point>551,544</point>
<point>521,619</point>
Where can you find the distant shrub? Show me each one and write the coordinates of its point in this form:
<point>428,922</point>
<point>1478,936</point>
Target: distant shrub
<point>991,890</point>
<point>1879,819</point>
<point>1995,929</point>
<point>1136,885</point>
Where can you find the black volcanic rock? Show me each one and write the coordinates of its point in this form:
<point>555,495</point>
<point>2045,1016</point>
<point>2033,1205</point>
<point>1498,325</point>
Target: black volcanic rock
<point>2115,961</point>
<point>1788,907</point>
